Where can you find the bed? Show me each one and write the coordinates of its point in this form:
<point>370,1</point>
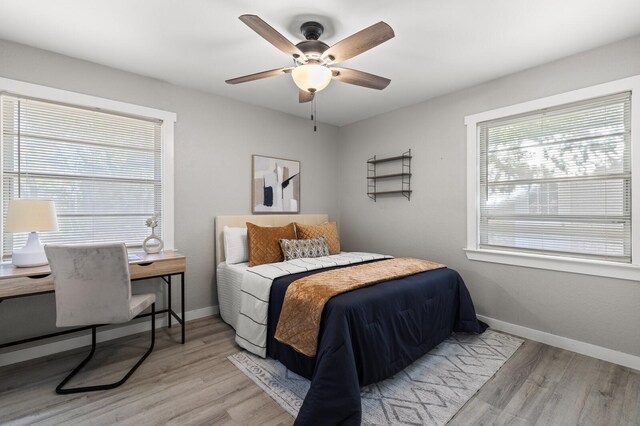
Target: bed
<point>366,335</point>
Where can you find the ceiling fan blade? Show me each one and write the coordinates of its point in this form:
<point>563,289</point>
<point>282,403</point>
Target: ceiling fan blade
<point>304,96</point>
<point>359,78</point>
<point>358,43</point>
<point>259,75</point>
<point>267,32</point>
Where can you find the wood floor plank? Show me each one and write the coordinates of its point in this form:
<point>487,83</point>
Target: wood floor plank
<point>195,384</point>
<point>527,403</point>
<point>507,383</point>
<point>606,398</point>
<point>552,366</point>
<point>631,404</point>
<point>476,412</point>
<point>255,411</point>
<point>538,387</point>
<point>230,392</point>
<point>570,395</point>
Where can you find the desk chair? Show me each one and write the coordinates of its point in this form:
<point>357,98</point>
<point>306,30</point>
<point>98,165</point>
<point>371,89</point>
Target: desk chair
<point>93,287</point>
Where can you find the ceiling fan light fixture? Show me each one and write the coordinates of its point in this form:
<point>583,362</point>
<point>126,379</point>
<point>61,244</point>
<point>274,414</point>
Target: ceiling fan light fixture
<point>311,77</point>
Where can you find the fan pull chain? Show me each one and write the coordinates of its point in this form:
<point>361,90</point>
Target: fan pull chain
<point>314,114</point>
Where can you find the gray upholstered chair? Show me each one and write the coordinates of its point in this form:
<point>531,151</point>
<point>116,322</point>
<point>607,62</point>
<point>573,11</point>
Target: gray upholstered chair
<point>93,287</point>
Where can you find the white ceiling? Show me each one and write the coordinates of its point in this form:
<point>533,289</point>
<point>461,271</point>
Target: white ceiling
<point>440,46</point>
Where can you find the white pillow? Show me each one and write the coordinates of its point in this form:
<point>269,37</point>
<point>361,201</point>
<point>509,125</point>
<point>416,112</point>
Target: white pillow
<point>236,249</point>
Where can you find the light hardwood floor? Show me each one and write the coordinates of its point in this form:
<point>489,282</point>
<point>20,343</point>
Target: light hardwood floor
<point>196,384</point>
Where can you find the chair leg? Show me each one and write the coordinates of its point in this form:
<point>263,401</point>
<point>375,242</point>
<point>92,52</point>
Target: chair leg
<point>61,391</point>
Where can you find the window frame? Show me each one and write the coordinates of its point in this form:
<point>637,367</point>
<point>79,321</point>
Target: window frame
<point>21,88</point>
<point>628,271</point>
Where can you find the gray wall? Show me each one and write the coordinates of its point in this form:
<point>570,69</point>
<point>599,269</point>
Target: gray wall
<point>214,140</point>
<point>432,225</point>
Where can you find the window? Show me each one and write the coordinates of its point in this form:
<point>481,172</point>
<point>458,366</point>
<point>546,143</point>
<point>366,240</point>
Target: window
<point>554,183</point>
<point>558,181</point>
<point>104,169</point>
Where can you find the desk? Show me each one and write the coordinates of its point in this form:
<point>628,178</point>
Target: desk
<point>23,282</point>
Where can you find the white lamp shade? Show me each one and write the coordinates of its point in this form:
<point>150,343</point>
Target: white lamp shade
<point>311,77</point>
<point>28,215</point>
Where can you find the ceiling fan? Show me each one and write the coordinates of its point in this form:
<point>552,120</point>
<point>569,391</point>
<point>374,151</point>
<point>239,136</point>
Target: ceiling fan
<point>314,60</point>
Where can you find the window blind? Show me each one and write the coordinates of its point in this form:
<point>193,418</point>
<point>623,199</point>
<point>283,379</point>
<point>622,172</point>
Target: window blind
<point>103,170</point>
<point>558,181</point>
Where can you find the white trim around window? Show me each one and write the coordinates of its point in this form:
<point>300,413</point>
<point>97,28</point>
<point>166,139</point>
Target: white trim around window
<point>168,119</point>
<point>554,262</point>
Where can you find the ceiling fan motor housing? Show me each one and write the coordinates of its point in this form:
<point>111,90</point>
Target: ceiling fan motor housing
<point>312,30</point>
<point>312,47</point>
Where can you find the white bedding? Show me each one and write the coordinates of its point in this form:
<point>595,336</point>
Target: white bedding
<point>251,323</point>
<point>229,280</point>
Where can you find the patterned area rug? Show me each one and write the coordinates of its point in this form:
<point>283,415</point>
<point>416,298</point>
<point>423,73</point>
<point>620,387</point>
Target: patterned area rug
<point>430,391</point>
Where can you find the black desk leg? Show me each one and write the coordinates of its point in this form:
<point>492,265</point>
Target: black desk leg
<point>169,301</point>
<point>184,319</point>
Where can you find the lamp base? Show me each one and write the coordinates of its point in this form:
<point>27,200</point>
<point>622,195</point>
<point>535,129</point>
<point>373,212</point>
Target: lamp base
<point>32,254</point>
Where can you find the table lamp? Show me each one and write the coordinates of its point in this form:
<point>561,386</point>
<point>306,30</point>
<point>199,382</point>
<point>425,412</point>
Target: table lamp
<point>33,216</point>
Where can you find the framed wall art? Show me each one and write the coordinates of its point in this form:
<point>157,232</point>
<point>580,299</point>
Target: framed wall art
<point>275,185</point>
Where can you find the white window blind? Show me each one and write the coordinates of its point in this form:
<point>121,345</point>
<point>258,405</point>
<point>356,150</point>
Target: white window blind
<point>103,170</point>
<point>558,181</point>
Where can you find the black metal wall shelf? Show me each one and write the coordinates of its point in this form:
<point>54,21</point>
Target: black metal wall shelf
<point>405,175</point>
<point>399,191</point>
<point>393,175</point>
<point>375,160</point>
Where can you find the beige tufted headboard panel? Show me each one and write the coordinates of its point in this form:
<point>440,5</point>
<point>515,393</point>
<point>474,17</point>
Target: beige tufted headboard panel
<point>261,220</point>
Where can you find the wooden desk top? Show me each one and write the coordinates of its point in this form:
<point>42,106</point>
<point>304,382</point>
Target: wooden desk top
<point>24,281</point>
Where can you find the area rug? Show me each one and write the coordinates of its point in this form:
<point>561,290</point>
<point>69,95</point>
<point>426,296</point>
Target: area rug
<point>430,391</point>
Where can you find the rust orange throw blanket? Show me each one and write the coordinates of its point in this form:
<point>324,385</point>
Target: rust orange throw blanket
<point>299,323</point>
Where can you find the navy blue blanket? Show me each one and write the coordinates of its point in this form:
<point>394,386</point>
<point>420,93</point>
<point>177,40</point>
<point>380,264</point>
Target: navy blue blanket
<point>370,334</point>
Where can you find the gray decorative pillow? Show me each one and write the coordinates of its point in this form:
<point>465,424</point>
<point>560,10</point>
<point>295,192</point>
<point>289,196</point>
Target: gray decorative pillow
<point>312,247</point>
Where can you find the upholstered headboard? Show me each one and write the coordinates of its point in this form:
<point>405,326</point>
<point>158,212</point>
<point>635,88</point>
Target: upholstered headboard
<point>261,220</point>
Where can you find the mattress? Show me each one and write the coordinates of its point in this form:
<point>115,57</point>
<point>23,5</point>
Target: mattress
<point>229,281</point>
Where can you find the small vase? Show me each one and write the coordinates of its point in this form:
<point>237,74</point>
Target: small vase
<point>152,244</point>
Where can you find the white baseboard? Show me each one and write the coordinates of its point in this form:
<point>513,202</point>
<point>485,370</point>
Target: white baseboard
<point>25,354</point>
<point>605,354</point>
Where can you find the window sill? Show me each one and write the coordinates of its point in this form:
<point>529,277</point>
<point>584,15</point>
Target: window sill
<point>598,268</point>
